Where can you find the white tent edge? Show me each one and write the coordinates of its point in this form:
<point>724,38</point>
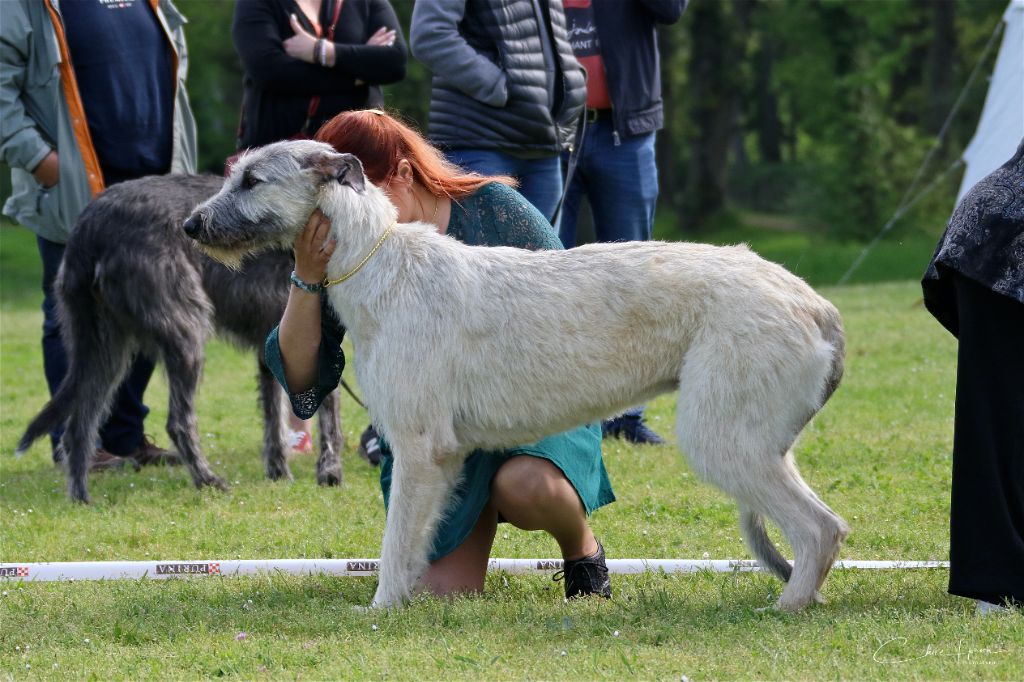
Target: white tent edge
<point>1001,126</point>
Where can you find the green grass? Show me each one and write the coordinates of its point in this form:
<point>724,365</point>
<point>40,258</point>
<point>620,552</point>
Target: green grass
<point>902,255</point>
<point>878,454</point>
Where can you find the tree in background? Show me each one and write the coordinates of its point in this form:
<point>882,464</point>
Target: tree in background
<point>829,106</point>
<point>818,108</point>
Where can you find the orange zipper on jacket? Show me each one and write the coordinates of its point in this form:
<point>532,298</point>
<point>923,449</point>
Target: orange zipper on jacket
<point>79,124</point>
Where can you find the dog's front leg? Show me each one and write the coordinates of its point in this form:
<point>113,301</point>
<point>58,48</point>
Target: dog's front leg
<point>272,398</point>
<point>421,484</point>
<point>332,441</point>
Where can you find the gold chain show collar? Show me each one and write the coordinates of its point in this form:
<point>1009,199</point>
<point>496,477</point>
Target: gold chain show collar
<point>332,282</point>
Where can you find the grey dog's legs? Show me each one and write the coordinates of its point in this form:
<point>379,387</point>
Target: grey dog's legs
<point>275,460</point>
<point>183,359</point>
<point>332,440</point>
<point>275,447</point>
<point>92,385</point>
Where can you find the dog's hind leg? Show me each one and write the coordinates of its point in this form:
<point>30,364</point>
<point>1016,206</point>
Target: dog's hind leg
<point>183,360</point>
<point>422,481</point>
<point>737,419</point>
<point>99,352</point>
<point>766,484</point>
<point>332,440</point>
<point>272,399</point>
<point>98,363</point>
<point>814,531</point>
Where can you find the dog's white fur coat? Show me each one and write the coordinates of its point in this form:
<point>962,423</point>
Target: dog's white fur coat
<point>460,347</point>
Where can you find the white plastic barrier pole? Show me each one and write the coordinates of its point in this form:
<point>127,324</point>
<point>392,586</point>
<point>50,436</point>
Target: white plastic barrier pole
<point>121,570</point>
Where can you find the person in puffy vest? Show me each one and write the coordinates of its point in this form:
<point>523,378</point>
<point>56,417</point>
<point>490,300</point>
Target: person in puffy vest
<point>507,91</point>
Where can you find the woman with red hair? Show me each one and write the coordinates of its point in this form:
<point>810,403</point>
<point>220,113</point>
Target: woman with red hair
<point>550,485</point>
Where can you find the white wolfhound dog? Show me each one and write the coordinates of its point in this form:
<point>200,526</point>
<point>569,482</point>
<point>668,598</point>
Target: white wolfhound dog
<point>460,347</point>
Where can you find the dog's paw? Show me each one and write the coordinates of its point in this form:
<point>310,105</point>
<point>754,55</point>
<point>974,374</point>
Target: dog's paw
<point>212,481</point>
<point>78,491</point>
<point>793,606</point>
<point>382,600</point>
<point>278,470</point>
<point>329,477</point>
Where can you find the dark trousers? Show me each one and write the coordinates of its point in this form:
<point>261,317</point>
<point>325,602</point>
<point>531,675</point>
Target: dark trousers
<point>122,432</point>
<point>987,513</point>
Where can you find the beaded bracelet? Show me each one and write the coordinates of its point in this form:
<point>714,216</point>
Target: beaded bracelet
<point>311,288</point>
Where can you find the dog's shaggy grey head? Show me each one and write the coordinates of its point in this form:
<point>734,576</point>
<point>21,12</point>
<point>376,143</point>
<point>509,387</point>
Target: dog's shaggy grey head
<point>268,198</point>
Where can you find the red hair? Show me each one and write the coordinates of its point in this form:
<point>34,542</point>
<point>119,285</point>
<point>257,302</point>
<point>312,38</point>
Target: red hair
<point>380,141</point>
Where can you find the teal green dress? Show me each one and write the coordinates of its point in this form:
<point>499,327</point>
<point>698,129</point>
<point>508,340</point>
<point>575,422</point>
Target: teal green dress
<point>494,215</point>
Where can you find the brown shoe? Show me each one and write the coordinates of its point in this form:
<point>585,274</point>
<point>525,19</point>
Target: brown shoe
<point>150,454</point>
<point>104,461</point>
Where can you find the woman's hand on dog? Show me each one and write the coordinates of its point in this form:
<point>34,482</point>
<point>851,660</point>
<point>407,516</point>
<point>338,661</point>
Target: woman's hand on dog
<point>313,249</point>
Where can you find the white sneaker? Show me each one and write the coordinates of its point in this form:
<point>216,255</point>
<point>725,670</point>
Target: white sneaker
<point>986,608</point>
<point>300,441</point>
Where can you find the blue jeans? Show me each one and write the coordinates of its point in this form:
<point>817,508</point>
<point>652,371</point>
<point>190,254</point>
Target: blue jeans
<point>122,432</point>
<point>621,184</point>
<point>540,180</point>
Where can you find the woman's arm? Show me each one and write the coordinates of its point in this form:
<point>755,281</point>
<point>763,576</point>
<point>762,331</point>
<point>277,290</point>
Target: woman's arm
<point>298,338</point>
<point>299,333</point>
<point>304,352</point>
<point>374,64</point>
<point>259,42</point>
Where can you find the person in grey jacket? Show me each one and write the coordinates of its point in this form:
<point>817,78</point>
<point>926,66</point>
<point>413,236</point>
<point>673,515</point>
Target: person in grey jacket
<point>507,90</point>
<point>78,113</point>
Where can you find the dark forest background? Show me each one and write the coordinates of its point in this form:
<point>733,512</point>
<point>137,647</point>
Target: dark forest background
<point>820,110</point>
<point>790,124</point>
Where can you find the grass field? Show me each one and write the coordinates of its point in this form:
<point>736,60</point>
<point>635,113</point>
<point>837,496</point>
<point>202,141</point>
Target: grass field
<point>878,454</point>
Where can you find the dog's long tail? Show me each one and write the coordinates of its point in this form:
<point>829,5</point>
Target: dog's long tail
<point>53,414</point>
<point>762,546</point>
<point>59,408</point>
<point>830,323</point>
<point>90,352</point>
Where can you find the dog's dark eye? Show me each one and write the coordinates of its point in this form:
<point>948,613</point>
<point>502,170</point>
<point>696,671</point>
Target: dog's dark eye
<point>249,180</point>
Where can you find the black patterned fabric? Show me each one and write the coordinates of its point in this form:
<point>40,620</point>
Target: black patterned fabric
<point>984,241</point>
<point>503,38</point>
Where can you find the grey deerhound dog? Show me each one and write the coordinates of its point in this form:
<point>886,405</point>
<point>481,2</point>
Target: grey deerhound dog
<point>132,282</point>
<point>751,350</point>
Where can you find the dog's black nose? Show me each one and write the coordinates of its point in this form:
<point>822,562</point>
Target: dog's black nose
<point>193,224</point>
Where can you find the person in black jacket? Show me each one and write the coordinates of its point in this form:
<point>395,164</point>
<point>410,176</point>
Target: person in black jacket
<point>306,61</point>
<point>617,43</point>
<point>507,90</point>
<point>290,57</point>
<point>974,287</point>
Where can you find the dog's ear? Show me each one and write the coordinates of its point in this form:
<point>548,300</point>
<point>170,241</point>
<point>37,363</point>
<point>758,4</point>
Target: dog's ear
<point>343,168</point>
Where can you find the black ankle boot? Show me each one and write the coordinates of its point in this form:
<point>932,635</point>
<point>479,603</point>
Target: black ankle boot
<point>585,576</point>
